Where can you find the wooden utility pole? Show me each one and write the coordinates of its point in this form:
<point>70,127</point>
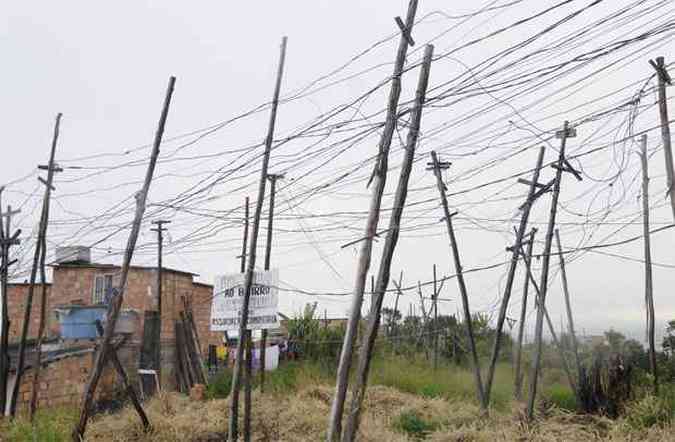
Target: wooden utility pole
<point>561,166</point>
<point>383,275</point>
<point>7,239</point>
<point>664,79</point>
<point>246,340</point>
<point>436,166</point>
<point>551,329</point>
<point>117,298</point>
<point>37,367</point>
<point>268,251</point>
<point>568,306</point>
<point>535,191</point>
<point>42,232</point>
<point>157,363</point>
<point>380,178</point>
<point>435,327</point>
<point>649,287</point>
<point>248,283</point>
<point>518,383</point>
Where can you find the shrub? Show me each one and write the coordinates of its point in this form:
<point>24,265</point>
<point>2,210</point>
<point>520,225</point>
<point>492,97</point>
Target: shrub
<point>648,412</point>
<point>411,423</point>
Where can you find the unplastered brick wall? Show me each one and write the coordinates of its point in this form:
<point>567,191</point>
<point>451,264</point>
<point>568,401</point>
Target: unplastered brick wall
<point>62,383</point>
<point>17,295</point>
<point>202,295</point>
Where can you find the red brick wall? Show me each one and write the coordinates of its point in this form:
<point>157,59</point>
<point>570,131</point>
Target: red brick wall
<point>17,294</point>
<point>62,383</point>
<point>201,311</point>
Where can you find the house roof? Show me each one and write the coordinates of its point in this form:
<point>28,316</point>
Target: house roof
<point>93,265</point>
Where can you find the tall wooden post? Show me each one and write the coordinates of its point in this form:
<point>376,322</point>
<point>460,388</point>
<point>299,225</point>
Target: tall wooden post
<point>7,239</point>
<point>158,337</point>
<point>562,166</point>
<point>520,234</point>
<point>435,327</point>
<point>380,178</point>
<point>649,287</point>
<point>372,328</point>
<point>664,79</point>
<point>268,252</point>
<point>248,282</point>
<point>518,383</point>
<point>42,232</point>
<point>117,298</point>
<point>436,165</point>
<point>568,306</point>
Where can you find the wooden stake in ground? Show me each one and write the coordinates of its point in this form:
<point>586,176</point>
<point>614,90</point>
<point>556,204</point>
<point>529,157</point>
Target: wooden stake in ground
<point>568,306</point>
<point>42,232</point>
<point>112,355</point>
<point>649,287</point>
<point>248,283</point>
<point>380,178</point>
<point>268,254</point>
<point>532,195</point>
<point>117,298</point>
<point>664,79</point>
<point>6,241</point>
<point>436,167</point>
<point>518,383</point>
<point>368,341</point>
<point>561,166</point>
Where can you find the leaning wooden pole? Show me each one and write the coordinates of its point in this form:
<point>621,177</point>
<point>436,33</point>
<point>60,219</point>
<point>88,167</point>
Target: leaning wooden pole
<point>380,178</point>
<point>568,306</point>
<point>649,285</point>
<point>116,301</point>
<point>551,329</point>
<point>539,325</point>
<point>460,281</point>
<point>42,231</point>
<point>518,382</point>
<point>663,80</point>
<point>384,272</point>
<point>37,367</point>
<point>520,234</point>
<point>248,281</point>
<point>268,256</point>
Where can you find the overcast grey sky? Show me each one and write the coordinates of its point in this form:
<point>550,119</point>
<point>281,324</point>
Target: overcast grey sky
<point>105,66</point>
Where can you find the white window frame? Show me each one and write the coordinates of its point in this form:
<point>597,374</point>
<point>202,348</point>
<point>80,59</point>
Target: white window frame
<point>99,298</point>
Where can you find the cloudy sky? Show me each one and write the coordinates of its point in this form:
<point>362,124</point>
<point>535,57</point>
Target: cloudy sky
<point>506,75</point>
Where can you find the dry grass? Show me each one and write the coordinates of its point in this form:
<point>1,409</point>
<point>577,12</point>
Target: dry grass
<point>303,417</point>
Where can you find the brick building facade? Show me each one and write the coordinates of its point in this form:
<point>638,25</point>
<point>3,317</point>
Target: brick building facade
<point>85,283</point>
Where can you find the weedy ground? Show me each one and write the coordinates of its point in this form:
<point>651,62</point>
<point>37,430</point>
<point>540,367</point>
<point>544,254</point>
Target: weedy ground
<point>406,402</point>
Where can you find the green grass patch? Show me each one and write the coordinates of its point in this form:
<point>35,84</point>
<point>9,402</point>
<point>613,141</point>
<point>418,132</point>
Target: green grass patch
<point>562,397</point>
<point>413,425</point>
<point>53,425</point>
<point>447,381</point>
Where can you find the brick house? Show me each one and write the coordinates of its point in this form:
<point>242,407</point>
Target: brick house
<point>81,282</point>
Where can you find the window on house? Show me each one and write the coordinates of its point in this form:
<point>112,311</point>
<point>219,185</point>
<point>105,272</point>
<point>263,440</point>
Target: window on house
<point>102,287</point>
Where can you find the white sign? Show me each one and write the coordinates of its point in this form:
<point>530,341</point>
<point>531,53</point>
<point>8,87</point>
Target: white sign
<point>228,296</point>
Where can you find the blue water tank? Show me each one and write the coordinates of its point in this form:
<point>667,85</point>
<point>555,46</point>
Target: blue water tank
<point>79,322</point>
